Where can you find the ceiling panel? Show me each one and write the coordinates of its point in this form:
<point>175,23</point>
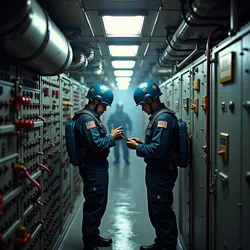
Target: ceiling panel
<point>167,18</point>
<point>69,13</point>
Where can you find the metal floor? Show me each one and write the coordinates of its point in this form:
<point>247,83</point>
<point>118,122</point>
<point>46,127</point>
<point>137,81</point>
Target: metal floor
<point>126,218</point>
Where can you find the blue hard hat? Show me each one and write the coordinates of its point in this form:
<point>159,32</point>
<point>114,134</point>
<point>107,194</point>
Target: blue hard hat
<point>101,92</point>
<point>145,90</point>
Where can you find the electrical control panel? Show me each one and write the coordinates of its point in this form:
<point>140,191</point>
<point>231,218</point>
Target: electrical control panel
<point>38,186</point>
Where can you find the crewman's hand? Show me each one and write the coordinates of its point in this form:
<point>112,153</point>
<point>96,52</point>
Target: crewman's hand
<point>116,133</point>
<point>137,140</point>
<point>132,144</point>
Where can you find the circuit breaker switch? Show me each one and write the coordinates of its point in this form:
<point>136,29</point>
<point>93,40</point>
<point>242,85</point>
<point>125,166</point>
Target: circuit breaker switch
<point>46,92</point>
<point>196,85</point>
<point>195,105</point>
<point>204,102</point>
<point>57,94</point>
<point>39,202</point>
<point>221,153</point>
<point>186,104</point>
<point>224,146</point>
<point>23,237</point>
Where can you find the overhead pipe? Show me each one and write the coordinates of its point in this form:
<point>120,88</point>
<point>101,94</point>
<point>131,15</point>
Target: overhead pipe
<point>191,41</point>
<point>161,71</point>
<point>154,69</point>
<point>189,23</point>
<point>188,58</point>
<point>194,11</point>
<point>154,25</point>
<point>185,37</point>
<point>80,61</point>
<point>172,47</point>
<point>89,24</point>
<point>91,72</point>
<point>29,36</point>
<point>72,33</point>
<point>233,17</point>
<point>91,55</point>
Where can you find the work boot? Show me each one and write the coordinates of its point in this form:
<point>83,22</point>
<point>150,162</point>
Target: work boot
<point>103,242</point>
<point>151,247</point>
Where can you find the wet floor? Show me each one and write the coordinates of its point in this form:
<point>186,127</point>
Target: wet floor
<point>126,219</point>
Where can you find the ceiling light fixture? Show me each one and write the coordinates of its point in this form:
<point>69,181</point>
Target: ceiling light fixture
<point>123,73</point>
<point>123,26</point>
<point>123,79</point>
<point>123,64</point>
<point>123,50</point>
<point>123,86</point>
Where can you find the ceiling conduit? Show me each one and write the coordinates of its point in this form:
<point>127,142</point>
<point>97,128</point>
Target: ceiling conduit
<point>188,36</point>
<point>80,61</point>
<point>29,36</point>
<point>83,54</point>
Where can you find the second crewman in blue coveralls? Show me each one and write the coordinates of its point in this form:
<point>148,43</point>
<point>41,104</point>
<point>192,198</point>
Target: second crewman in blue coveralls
<point>120,118</point>
<point>94,169</point>
<point>160,174</point>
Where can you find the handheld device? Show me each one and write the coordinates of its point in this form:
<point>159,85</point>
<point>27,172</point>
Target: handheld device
<point>124,137</point>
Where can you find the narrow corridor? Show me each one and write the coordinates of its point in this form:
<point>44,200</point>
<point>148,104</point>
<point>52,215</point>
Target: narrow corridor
<point>126,220</point>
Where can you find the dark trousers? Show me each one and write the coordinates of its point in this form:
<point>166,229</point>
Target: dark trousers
<point>124,149</point>
<point>160,182</point>
<point>95,191</point>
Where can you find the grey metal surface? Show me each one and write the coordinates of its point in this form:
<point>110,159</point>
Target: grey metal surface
<point>185,187</point>
<point>245,141</point>
<point>228,194</point>
<point>198,170</point>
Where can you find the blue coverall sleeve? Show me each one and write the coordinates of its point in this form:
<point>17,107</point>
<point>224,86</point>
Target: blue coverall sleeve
<point>95,142</point>
<point>161,138</point>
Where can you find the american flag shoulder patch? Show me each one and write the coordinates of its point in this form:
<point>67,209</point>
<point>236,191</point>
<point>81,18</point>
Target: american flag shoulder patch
<point>90,124</point>
<point>162,124</point>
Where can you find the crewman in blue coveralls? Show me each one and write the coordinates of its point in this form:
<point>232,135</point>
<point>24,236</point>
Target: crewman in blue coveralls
<point>94,168</point>
<point>160,174</point>
<point>120,118</point>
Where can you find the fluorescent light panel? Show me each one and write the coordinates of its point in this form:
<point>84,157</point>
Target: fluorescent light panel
<point>123,79</point>
<point>123,26</point>
<point>122,64</point>
<point>123,50</point>
<point>123,72</point>
<point>123,86</point>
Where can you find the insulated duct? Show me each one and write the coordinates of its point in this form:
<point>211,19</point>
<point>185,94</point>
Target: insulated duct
<point>188,36</point>
<point>80,61</point>
<point>30,36</point>
<point>91,55</point>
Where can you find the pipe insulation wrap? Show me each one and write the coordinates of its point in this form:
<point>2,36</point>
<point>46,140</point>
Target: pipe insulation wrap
<point>80,61</point>
<point>29,35</point>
